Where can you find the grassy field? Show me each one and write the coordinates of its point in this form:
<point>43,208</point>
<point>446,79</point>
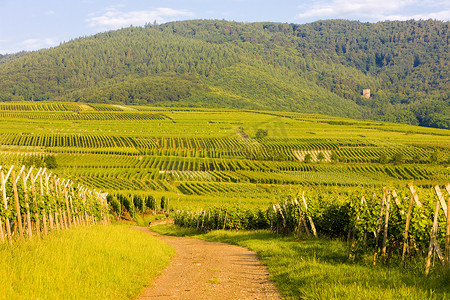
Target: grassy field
<point>320,269</point>
<point>96,262</point>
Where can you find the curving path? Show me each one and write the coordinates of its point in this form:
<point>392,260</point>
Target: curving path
<point>210,270</point>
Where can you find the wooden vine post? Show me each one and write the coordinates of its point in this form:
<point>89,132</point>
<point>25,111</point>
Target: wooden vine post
<point>408,220</point>
<point>441,199</point>
<point>225,220</point>
<point>5,204</point>
<point>379,224</point>
<point>313,228</point>
<point>47,192</point>
<point>36,215</point>
<point>386,224</point>
<point>27,205</point>
<point>446,209</point>
<point>415,197</point>
<point>2,235</point>
<point>84,203</point>
<point>39,206</point>
<point>66,197</point>
<point>71,200</point>
<point>62,216</point>
<point>108,220</point>
<point>17,203</point>
<point>433,243</point>
<point>353,245</point>
<point>74,210</point>
<point>44,213</point>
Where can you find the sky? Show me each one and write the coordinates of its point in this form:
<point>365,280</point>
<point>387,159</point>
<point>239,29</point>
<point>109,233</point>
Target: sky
<point>35,24</point>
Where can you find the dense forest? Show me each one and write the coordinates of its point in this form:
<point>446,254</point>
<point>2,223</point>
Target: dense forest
<point>321,67</point>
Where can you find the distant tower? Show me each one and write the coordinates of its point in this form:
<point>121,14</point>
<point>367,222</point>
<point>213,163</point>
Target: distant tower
<point>366,93</point>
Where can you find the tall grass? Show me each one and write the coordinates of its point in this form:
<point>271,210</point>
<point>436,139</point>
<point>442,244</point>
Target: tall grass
<point>97,262</point>
<point>319,269</point>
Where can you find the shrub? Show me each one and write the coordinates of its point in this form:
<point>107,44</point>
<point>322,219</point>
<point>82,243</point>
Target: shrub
<point>308,158</point>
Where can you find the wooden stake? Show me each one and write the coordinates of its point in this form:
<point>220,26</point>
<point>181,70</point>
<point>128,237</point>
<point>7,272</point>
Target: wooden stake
<point>30,230</point>
<point>225,220</point>
<point>56,219</point>
<point>432,238</point>
<point>86,218</point>
<point>386,223</point>
<point>2,235</point>
<point>66,196</point>
<point>5,203</point>
<point>44,213</point>
<point>414,194</point>
<point>44,222</point>
<point>439,252</point>
<point>379,224</point>
<point>36,215</point>
<point>16,200</point>
<point>47,192</point>
<point>203,220</point>
<point>50,220</point>
<point>198,220</point>
<point>408,220</point>
<point>441,199</point>
<point>64,219</point>
<point>380,217</point>
<point>308,233</point>
<point>313,228</point>
<point>397,202</point>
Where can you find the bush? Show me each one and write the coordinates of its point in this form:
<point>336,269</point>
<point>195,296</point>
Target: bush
<point>50,162</point>
<point>163,202</point>
<point>308,158</point>
<point>398,158</point>
<point>320,156</point>
<point>383,159</point>
<point>261,133</point>
<point>150,202</point>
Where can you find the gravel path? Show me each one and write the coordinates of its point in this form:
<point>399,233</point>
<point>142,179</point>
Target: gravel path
<point>210,270</point>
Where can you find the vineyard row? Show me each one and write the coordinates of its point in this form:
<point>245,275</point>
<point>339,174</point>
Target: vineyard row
<point>35,203</point>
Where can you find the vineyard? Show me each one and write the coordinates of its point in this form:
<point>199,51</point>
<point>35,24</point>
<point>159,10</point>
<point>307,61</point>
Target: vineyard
<point>387,224</point>
<point>35,203</point>
<point>212,169</point>
<point>195,156</point>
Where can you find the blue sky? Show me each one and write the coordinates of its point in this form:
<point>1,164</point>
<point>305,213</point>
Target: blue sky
<point>35,24</point>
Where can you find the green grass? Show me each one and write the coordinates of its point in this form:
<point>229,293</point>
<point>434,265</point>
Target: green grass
<point>97,262</point>
<point>144,220</point>
<point>319,269</point>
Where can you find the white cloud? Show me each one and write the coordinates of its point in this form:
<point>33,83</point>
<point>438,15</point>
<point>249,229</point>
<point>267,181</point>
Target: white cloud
<point>113,18</point>
<point>440,15</point>
<point>345,8</point>
<point>33,44</point>
<point>50,12</point>
<point>8,46</point>
<point>374,10</point>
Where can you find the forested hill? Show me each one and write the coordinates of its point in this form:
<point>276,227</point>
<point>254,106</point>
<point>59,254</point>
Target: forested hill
<point>320,67</point>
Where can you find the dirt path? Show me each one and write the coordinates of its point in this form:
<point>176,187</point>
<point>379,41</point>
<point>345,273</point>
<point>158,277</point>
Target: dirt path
<point>209,270</point>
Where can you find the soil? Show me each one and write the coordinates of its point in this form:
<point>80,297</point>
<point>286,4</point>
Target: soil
<point>210,270</point>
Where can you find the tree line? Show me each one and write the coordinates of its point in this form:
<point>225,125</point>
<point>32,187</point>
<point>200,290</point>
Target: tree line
<point>321,67</point>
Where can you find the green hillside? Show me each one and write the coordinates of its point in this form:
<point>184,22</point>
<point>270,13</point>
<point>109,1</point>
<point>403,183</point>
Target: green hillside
<point>320,67</point>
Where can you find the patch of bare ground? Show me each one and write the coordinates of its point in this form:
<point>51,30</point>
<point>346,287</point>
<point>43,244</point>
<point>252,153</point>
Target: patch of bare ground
<point>210,270</point>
